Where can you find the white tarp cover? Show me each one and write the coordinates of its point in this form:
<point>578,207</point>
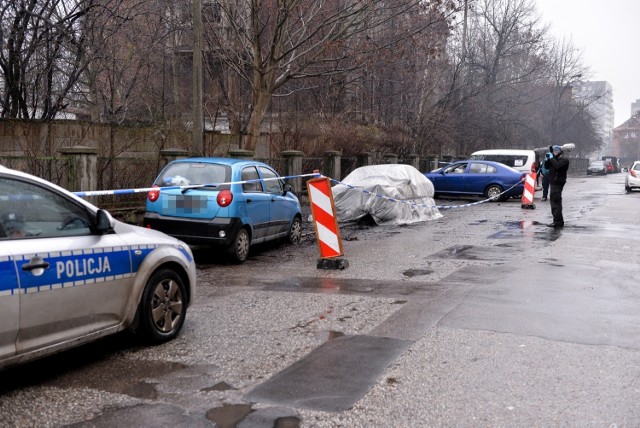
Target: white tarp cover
<point>400,182</point>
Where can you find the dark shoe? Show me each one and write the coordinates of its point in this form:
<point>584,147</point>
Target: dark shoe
<point>556,225</point>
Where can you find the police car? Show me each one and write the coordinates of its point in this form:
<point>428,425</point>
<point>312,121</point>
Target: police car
<point>70,273</point>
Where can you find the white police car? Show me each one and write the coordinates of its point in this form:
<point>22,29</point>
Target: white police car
<point>70,273</point>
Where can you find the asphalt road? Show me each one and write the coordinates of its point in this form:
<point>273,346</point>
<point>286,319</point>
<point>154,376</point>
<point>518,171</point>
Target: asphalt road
<point>485,317</point>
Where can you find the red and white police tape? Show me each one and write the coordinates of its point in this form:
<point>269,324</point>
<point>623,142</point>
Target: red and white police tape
<point>195,186</point>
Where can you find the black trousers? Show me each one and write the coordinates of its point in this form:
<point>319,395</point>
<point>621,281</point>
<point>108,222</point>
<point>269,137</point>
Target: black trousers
<point>555,200</point>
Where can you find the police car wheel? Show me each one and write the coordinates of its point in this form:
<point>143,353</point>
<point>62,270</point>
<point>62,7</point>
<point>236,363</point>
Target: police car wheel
<point>295,232</point>
<point>239,248</point>
<point>163,307</point>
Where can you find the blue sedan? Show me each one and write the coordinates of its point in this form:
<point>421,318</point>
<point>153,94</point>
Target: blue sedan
<point>478,178</point>
<point>231,203</point>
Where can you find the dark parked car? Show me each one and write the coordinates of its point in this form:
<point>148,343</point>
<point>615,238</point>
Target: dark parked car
<point>480,178</point>
<point>597,168</point>
<point>225,202</point>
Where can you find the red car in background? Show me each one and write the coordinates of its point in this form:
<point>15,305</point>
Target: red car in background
<point>610,168</point>
<point>614,162</point>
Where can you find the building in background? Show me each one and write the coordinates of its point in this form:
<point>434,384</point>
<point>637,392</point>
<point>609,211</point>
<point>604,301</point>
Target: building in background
<point>598,97</point>
<point>626,140</point>
<point>635,107</point>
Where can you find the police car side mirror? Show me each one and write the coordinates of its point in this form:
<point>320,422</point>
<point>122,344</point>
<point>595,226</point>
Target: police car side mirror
<point>106,223</point>
<point>287,188</point>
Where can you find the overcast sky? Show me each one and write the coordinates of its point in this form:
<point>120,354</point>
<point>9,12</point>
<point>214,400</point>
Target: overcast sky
<point>607,33</point>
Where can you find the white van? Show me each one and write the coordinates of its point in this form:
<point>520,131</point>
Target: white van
<point>522,160</point>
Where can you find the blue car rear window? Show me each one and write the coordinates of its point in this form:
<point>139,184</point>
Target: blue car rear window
<point>189,174</point>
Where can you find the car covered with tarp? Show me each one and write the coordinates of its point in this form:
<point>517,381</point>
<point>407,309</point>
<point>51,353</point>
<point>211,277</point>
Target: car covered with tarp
<point>389,194</point>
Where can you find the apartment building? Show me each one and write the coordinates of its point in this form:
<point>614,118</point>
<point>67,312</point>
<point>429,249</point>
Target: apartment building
<point>598,96</point>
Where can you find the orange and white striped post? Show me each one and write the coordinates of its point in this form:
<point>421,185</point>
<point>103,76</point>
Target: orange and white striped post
<point>529,191</point>
<point>325,224</point>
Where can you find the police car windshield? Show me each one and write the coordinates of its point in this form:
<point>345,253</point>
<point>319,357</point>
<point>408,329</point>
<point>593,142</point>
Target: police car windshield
<point>195,173</point>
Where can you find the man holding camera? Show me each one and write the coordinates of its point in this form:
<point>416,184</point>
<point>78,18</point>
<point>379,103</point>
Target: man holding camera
<point>558,165</point>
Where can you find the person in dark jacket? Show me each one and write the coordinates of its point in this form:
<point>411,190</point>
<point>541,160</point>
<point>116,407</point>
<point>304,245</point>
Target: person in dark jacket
<point>558,165</point>
<point>543,172</point>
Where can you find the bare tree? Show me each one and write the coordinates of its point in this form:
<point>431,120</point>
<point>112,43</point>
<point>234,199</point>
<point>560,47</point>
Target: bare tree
<point>503,66</point>
<point>42,54</point>
<point>396,75</point>
<point>514,85</point>
<point>377,98</point>
<point>566,69</point>
<point>266,44</point>
<point>131,77</point>
<point>132,59</point>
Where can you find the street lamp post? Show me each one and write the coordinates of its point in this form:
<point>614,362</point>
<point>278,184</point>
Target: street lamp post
<point>197,127</point>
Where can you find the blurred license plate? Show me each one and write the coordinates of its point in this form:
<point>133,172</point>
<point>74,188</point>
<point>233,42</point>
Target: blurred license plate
<point>185,204</point>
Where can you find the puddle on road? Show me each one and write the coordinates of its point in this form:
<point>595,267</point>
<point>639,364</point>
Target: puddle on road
<point>479,222</point>
<point>220,386</point>
<point>346,286</point>
<point>143,390</point>
<point>550,262</point>
<point>539,231</point>
<point>231,415</point>
<point>95,366</point>
<point>417,272</point>
<point>457,252</point>
<point>228,415</point>
<point>128,377</point>
<point>527,229</point>
<point>287,422</point>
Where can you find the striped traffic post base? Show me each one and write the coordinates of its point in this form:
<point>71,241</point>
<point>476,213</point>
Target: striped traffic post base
<point>529,191</point>
<point>325,224</point>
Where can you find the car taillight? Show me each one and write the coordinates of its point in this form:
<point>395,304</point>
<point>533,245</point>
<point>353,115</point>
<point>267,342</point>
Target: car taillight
<point>154,194</point>
<point>633,173</point>
<point>224,198</point>
<point>534,167</point>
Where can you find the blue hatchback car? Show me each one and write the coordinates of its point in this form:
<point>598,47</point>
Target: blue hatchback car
<point>478,178</point>
<point>225,202</point>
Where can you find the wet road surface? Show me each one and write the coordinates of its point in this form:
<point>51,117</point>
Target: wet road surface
<point>483,317</point>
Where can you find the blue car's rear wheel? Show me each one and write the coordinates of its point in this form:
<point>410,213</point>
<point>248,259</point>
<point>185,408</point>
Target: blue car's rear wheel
<point>295,231</point>
<point>239,248</point>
